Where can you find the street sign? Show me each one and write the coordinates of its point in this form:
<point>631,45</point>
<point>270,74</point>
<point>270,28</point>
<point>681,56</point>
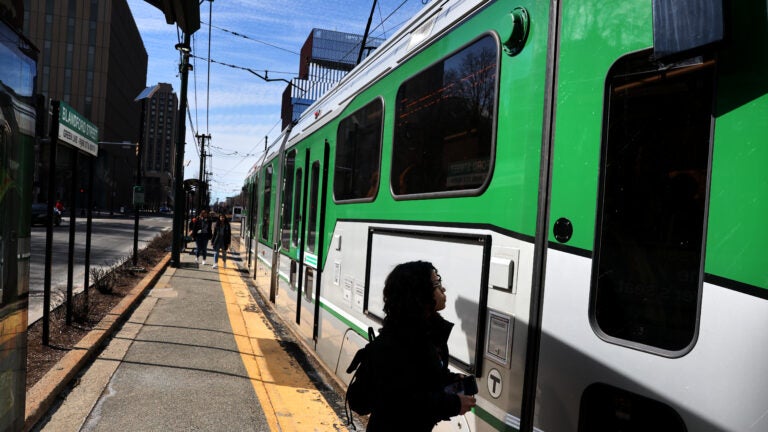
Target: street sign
<point>76,130</point>
<point>138,195</point>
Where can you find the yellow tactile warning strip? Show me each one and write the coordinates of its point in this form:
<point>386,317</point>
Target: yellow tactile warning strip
<point>289,399</point>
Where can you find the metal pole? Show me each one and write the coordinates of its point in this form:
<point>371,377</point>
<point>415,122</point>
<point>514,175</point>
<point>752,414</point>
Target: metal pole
<point>178,216</point>
<point>365,35</point>
<point>54,138</point>
<point>138,183</point>
<point>277,228</point>
<point>88,231</point>
<point>201,193</point>
<point>72,225</point>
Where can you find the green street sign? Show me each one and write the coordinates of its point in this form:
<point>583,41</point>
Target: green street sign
<point>76,130</point>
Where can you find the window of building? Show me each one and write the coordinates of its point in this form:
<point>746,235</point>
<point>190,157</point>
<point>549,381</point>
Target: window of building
<point>444,117</point>
<point>358,154</point>
<point>653,184</point>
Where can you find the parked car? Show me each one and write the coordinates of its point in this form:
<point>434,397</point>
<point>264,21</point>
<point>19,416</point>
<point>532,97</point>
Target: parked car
<point>40,215</point>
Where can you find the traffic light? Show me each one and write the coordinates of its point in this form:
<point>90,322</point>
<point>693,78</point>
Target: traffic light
<point>185,13</point>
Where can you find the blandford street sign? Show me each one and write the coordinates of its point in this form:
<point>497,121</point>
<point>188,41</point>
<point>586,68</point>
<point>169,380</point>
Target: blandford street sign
<point>77,130</point>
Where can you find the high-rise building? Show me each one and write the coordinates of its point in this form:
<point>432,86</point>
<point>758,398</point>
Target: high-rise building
<point>158,154</point>
<point>92,57</point>
<point>326,57</point>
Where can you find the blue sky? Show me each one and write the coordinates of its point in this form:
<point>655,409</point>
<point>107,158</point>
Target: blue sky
<point>235,107</point>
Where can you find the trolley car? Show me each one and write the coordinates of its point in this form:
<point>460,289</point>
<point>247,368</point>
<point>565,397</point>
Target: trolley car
<point>588,177</point>
<point>18,70</point>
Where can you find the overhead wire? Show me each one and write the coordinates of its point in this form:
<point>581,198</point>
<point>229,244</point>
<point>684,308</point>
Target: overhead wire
<point>381,16</point>
<point>243,67</point>
<point>252,152</point>
<point>266,151</point>
<point>320,78</point>
<point>252,39</point>
<point>194,77</point>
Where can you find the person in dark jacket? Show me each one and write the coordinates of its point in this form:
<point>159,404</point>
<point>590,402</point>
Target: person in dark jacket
<point>410,358</point>
<point>222,236</point>
<point>201,231</point>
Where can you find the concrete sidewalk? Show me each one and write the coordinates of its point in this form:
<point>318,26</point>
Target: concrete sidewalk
<point>197,353</point>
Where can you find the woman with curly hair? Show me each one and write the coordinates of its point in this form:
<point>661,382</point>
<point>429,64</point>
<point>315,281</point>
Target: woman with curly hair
<point>410,356</point>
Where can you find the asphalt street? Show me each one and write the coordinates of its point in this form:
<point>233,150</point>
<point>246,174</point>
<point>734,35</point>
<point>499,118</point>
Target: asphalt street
<point>111,244</point>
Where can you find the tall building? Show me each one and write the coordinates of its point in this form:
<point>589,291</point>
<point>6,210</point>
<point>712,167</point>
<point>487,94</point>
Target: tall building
<point>158,154</point>
<point>326,57</point>
<point>91,57</point>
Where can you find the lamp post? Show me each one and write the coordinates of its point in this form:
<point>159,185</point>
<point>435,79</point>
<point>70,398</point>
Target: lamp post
<point>178,197</point>
<point>138,190</point>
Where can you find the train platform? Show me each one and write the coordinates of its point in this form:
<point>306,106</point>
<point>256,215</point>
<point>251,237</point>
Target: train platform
<point>199,351</point>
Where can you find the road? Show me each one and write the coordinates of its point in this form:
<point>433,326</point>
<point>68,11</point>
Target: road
<point>111,243</point>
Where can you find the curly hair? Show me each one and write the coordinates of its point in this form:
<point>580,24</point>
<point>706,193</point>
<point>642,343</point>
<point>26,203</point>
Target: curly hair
<point>409,293</point>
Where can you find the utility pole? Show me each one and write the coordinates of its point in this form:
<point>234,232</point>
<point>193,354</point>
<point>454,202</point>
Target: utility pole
<point>178,172</point>
<point>203,183</point>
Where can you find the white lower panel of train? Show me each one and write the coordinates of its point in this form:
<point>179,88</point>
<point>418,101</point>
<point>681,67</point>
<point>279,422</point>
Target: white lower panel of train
<point>719,385</point>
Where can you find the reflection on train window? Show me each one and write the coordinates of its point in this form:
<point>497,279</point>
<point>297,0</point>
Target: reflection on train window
<point>358,151</point>
<point>654,183</point>
<point>255,212</point>
<point>314,187</point>
<point>297,212</point>
<point>444,115</point>
<point>607,408</point>
<point>265,204</point>
<point>7,293</point>
<point>288,166</point>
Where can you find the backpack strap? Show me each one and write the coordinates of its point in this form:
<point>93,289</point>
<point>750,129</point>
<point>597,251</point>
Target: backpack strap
<point>361,353</point>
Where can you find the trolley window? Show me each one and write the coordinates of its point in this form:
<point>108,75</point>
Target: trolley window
<point>285,219</point>
<point>358,153</point>
<point>297,212</point>
<point>314,187</point>
<point>253,195</point>
<point>266,201</point>
<point>444,118</point>
<point>649,249</point>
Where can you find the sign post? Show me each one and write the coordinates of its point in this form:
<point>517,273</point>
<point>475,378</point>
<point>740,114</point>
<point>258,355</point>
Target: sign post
<point>78,132</point>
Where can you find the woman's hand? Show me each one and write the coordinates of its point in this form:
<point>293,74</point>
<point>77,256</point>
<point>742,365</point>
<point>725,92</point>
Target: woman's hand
<point>467,402</point>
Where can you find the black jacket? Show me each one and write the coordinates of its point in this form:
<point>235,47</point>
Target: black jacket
<point>202,229</point>
<point>411,370</point>
<point>222,235</point>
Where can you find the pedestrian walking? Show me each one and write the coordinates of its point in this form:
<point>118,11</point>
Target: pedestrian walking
<point>201,232</point>
<point>222,237</point>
